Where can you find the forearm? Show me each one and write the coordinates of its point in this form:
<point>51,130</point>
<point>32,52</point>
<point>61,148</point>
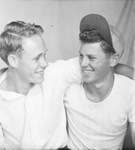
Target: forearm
<point>2,70</point>
<point>125,70</point>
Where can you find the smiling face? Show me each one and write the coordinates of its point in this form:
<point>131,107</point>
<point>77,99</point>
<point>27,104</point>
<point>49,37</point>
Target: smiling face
<point>95,64</point>
<point>32,62</point>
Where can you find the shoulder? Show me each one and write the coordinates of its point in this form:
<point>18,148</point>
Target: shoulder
<point>74,88</point>
<point>125,84</point>
<point>74,93</point>
<point>123,79</point>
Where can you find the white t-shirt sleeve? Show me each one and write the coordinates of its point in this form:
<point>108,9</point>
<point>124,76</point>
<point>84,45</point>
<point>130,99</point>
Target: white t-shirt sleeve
<point>69,70</point>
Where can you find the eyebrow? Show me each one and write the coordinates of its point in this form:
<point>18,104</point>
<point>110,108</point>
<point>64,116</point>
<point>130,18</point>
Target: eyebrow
<point>37,56</point>
<point>41,54</point>
<point>87,54</point>
<point>92,56</point>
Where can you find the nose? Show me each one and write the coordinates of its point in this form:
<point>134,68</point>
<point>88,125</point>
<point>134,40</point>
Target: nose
<point>43,62</point>
<point>84,62</point>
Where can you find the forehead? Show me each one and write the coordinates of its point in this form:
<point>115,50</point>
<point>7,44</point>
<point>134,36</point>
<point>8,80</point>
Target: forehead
<point>34,45</point>
<point>91,48</point>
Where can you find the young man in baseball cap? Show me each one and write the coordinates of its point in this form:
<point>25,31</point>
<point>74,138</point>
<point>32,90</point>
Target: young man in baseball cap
<point>99,109</point>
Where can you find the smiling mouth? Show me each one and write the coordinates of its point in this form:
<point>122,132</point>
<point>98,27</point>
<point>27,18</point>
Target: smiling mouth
<point>87,71</point>
<point>40,72</point>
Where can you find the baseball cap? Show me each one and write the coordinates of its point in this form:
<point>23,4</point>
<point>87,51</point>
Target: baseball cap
<point>118,40</point>
<point>99,23</point>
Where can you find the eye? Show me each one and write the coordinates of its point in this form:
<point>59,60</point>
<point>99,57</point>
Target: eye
<point>80,56</point>
<point>91,58</point>
<point>37,58</point>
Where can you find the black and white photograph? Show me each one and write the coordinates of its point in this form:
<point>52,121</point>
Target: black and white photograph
<point>67,74</point>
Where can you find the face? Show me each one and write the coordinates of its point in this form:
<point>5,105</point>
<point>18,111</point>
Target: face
<point>94,63</point>
<point>32,62</point>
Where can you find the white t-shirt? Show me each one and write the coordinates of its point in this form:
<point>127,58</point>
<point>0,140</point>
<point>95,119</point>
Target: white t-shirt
<point>37,120</point>
<point>100,125</point>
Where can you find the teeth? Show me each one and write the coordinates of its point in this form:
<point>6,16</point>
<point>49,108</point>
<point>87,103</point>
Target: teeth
<point>40,72</point>
<point>87,70</point>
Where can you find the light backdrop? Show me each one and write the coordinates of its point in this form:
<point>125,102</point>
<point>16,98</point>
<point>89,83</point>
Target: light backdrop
<point>60,20</point>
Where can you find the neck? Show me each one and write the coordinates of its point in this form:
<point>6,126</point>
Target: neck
<point>15,83</point>
<point>97,92</point>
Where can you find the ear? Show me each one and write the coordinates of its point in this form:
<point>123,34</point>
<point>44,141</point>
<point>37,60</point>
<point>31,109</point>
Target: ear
<point>13,60</point>
<point>114,60</point>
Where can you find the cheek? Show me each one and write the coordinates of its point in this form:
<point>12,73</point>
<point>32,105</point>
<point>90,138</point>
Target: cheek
<point>28,67</point>
<point>104,67</point>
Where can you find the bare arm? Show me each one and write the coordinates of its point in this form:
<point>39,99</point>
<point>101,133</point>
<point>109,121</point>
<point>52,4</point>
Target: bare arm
<point>132,125</point>
<point>125,70</point>
<point>2,71</point>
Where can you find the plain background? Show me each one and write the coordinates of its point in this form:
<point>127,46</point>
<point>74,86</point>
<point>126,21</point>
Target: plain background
<point>60,20</point>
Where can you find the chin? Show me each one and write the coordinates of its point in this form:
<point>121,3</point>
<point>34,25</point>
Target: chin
<point>39,81</point>
<point>87,80</point>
